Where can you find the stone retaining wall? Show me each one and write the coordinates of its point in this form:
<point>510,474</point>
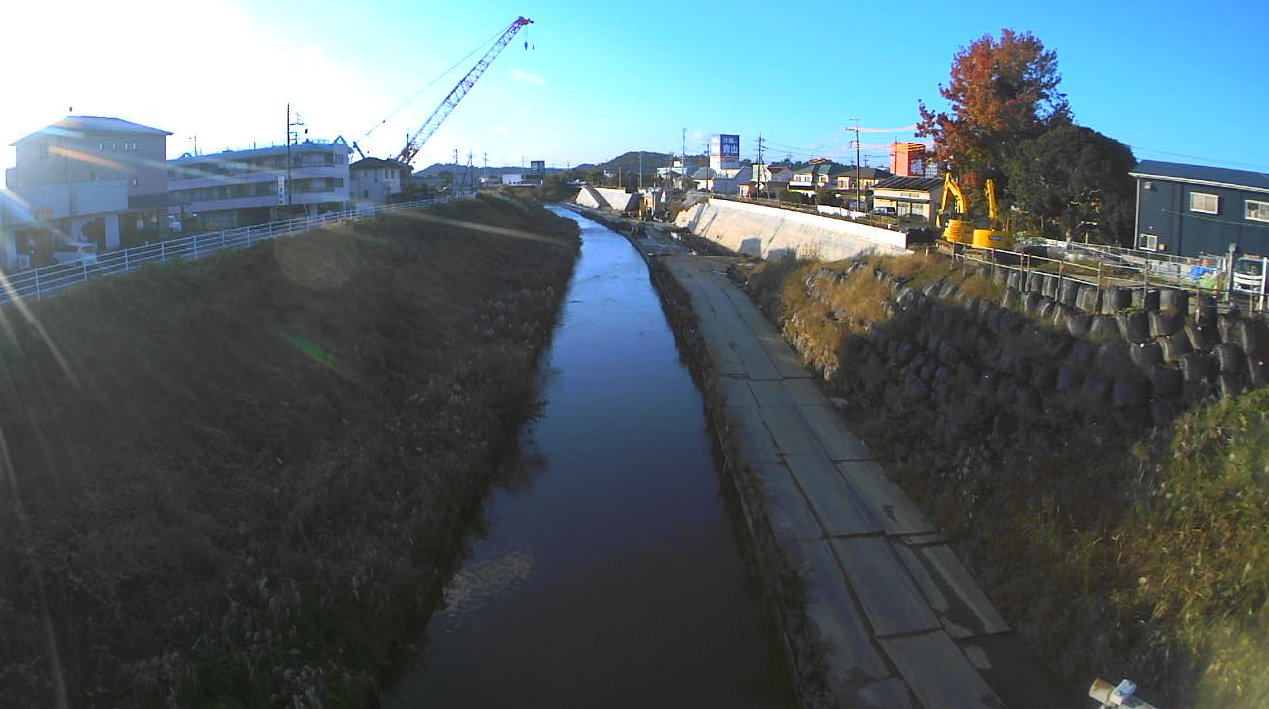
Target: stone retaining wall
<point>1051,347</point>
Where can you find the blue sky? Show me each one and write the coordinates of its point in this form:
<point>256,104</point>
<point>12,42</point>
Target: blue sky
<point>1176,81</point>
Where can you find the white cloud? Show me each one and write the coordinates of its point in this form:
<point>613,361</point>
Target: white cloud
<point>522,75</point>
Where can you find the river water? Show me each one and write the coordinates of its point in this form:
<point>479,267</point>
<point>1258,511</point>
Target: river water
<point>608,572</point>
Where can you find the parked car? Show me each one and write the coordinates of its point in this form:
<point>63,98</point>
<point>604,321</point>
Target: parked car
<point>75,251</point>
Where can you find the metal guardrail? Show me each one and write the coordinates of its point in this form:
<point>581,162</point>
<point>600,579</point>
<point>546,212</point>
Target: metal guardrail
<point>38,283</point>
<point>1123,274</point>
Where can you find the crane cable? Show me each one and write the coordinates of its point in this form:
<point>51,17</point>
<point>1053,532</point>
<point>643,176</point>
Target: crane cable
<point>442,75</point>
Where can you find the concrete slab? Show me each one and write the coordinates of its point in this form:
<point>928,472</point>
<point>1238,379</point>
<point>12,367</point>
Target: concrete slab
<point>804,392</point>
<point>787,509</point>
<point>790,431</point>
<point>839,512</point>
<point>898,515</point>
<point>757,364</point>
<point>828,428</point>
<point>726,361</point>
<point>890,693</point>
<point>852,658</point>
<point>784,358</point>
<point>938,672</point>
<point>735,392</point>
<point>967,612</point>
<point>770,393</point>
<point>916,540</point>
<point>890,598</point>
<point>752,439</point>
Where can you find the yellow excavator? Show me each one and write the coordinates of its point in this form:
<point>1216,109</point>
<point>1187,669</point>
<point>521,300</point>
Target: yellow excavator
<point>957,228</point>
<point>991,237</point>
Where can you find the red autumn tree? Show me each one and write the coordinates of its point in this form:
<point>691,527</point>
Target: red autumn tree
<point>1001,94</point>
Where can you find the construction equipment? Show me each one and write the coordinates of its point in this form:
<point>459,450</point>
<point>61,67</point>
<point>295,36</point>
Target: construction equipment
<point>957,228</point>
<point>991,237</point>
<point>438,116</point>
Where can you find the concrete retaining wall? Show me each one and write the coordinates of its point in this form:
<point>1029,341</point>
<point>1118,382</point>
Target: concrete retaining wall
<point>605,198</point>
<point>770,232</point>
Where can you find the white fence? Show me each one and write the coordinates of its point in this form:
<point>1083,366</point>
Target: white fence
<point>40,282</point>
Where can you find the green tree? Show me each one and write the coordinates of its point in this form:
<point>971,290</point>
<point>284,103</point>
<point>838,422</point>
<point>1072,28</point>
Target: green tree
<point>1001,93</point>
<point>1076,176</point>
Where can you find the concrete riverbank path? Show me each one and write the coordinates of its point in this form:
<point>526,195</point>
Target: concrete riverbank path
<point>902,622</point>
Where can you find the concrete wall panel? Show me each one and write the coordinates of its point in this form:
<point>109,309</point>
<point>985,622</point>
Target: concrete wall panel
<point>770,232</point>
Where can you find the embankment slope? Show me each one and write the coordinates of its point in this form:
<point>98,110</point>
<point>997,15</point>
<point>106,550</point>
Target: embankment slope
<point>1113,547</point>
<point>234,481</point>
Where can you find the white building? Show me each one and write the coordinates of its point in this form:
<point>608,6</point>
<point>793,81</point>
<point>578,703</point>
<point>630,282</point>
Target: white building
<point>377,180</point>
<point>240,187</point>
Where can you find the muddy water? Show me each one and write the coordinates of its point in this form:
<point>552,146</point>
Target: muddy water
<point>608,573</point>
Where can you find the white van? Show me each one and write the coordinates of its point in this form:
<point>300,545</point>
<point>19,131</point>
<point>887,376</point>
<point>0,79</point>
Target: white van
<point>75,251</point>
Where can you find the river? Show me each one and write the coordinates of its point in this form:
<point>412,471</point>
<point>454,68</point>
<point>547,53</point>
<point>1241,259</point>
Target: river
<point>607,572</point>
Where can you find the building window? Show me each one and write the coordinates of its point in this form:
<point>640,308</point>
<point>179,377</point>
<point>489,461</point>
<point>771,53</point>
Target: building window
<point>135,182</point>
<point>1203,202</point>
<point>101,146</point>
<point>114,147</point>
<point>1149,242</point>
<point>1258,211</point>
<point>365,193</point>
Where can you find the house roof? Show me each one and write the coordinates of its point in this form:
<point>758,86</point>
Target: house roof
<point>745,174</point>
<point>916,184</point>
<point>1201,174</point>
<point>865,173</point>
<point>92,124</point>
<point>376,163</point>
<point>819,168</point>
<point>705,173</point>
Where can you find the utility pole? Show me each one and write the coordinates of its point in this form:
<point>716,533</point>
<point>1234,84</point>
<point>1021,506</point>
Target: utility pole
<point>758,189</point>
<point>858,187</point>
<point>684,165</point>
<point>485,172</point>
<point>289,125</point>
<point>640,170</point>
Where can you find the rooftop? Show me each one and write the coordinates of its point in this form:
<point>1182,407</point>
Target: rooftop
<point>72,125</point>
<point>376,163</point>
<point>920,184</point>
<point>1202,174</point>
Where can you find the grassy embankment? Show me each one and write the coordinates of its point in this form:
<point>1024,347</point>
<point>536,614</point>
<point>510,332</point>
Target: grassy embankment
<point>1145,558</point>
<point>234,482</point>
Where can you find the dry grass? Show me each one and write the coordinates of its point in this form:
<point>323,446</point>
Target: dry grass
<point>251,468</point>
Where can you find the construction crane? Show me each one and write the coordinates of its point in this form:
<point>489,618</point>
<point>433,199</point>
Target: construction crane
<point>438,116</point>
<point>991,237</point>
<point>957,228</point>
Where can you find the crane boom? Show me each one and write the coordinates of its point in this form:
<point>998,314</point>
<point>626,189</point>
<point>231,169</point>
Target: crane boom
<point>438,116</point>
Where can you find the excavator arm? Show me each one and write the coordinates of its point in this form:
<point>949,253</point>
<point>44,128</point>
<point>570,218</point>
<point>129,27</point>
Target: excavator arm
<point>950,187</point>
<point>990,189</point>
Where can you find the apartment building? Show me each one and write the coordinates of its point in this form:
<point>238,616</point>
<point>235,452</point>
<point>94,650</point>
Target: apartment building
<point>236,188</point>
<point>84,178</point>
